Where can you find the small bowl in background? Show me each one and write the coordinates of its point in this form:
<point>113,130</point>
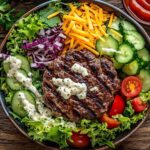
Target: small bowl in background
<point>133,15</point>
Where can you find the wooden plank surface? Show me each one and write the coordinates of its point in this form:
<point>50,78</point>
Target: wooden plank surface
<point>12,139</point>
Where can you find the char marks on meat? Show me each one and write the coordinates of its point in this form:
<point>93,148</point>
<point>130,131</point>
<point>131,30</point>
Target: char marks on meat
<point>101,74</point>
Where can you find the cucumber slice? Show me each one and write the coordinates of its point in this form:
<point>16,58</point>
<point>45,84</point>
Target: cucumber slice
<point>127,26</point>
<point>25,64</point>
<point>144,75</point>
<point>108,42</point>
<point>125,55</point>
<point>13,83</point>
<point>17,105</point>
<point>144,54</point>
<point>116,64</point>
<point>6,67</point>
<point>131,68</point>
<point>135,39</point>
<point>116,35</point>
<point>116,24</point>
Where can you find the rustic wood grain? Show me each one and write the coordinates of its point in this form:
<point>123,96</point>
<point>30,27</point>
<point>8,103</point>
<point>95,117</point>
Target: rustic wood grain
<point>12,139</point>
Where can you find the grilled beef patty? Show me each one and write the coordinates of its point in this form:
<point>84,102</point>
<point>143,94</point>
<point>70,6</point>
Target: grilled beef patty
<point>101,74</point>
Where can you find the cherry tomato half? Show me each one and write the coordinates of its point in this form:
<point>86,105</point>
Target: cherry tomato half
<point>139,10</point>
<point>138,105</point>
<point>144,4</point>
<point>79,140</point>
<point>111,123</point>
<point>118,106</point>
<point>131,86</point>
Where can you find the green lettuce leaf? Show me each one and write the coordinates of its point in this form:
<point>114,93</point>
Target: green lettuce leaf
<point>145,96</point>
<point>56,131</point>
<point>129,111</point>
<point>137,117</point>
<point>26,29</point>
<point>98,132</point>
<point>125,123</point>
<point>49,22</point>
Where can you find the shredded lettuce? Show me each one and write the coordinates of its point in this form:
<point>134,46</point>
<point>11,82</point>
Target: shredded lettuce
<point>37,79</point>
<point>98,132</point>
<point>56,130</point>
<point>145,96</point>
<point>9,94</point>
<point>129,111</point>
<point>5,88</point>
<point>125,123</point>
<point>137,117</point>
<point>26,29</point>
<point>8,14</point>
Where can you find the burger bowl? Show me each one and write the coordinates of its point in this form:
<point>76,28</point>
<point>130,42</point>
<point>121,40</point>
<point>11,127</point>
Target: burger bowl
<point>110,8</point>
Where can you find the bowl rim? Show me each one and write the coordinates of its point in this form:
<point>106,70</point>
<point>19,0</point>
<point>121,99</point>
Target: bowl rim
<point>134,16</point>
<point>100,2</point>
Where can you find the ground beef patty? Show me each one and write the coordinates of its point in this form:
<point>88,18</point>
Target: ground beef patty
<point>101,74</point>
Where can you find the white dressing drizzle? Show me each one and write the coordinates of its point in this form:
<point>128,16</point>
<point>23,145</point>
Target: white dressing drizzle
<point>15,65</point>
<point>94,89</point>
<point>30,108</point>
<point>67,88</point>
<point>80,69</point>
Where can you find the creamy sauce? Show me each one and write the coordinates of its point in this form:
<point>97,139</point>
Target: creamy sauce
<point>35,115</point>
<point>15,65</point>
<point>30,108</point>
<point>67,88</point>
<point>80,69</point>
<point>29,74</point>
<point>94,89</point>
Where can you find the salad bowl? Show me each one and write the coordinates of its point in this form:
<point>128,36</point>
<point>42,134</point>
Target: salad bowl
<point>109,8</point>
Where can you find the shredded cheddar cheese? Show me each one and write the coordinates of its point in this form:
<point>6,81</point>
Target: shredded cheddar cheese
<point>89,48</point>
<point>111,19</point>
<point>84,25</point>
<point>116,33</point>
<point>80,20</point>
<point>53,15</point>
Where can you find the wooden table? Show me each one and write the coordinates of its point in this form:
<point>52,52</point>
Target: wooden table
<point>12,139</point>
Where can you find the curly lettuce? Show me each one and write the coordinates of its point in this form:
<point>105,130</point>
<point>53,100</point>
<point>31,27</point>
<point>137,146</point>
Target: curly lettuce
<point>55,130</point>
<point>59,131</point>
<point>129,111</point>
<point>8,14</point>
<point>99,133</point>
<point>145,96</point>
<point>25,29</point>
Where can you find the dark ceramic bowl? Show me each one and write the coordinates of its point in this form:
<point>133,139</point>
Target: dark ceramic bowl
<point>109,8</point>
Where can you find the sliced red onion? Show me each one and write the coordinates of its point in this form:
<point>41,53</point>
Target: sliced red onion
<point>62,35</point>
<point>40,46</point>
<point>48,32</point>
<point>42,32</point>
<point>46,47</point>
